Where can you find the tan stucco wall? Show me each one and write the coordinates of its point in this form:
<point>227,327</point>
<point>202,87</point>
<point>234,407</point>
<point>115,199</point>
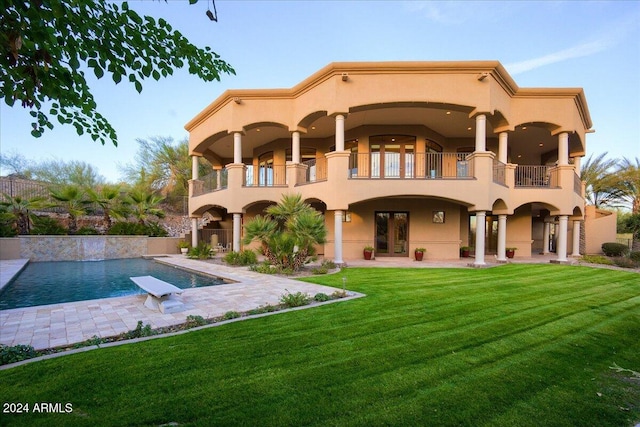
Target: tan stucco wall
<point>600,227</point>
<point>9,248</point>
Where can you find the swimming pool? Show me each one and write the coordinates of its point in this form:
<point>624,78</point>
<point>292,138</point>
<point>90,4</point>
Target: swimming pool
<point>42,283</point>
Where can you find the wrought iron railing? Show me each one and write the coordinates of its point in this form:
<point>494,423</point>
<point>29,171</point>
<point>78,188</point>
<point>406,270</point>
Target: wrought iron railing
<point>210,181</point>
<point>410,166</point>
<point>265,176</point>
<point>536,176</point>
<point>499,172</point>
<point>577,184</point>
<point>316,170</point>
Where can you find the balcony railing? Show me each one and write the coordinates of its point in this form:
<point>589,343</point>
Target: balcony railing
<point>316,170</point>
<point>536,176</point>
<point>410,166</point>
<point>499,172</point>
<point>265,176</point>
<point>210,181</point>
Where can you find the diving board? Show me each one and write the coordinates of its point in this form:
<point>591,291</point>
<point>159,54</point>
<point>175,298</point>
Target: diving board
<point>161,295</point>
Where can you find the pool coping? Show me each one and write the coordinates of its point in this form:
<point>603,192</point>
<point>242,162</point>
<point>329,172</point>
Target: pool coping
<point>10,269</point>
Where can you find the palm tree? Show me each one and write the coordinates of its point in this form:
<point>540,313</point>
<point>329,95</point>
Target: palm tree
<point>73,200</point>
<point>108,198</point>
<point>143,204</point>
<point>288,232</point>
<point>19,210</point>
<point>601,188</point>
<point>628,179</point>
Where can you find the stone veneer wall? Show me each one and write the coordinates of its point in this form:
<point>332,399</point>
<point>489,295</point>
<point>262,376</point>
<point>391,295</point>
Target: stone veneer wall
<point>81,248</point>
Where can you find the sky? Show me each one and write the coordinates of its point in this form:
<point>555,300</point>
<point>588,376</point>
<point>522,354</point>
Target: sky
<point>277,44</point>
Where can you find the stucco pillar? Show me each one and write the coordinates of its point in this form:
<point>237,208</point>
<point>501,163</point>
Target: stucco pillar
<point>481,133</point>
<point>237,225</point>
<point>561,249</point>
<point>295,147</point>
<point>339,132</point>
<point>194,167</point>
<point>577,166</point>
<point>563,149</point>
<point>237,147</point>
<point>194,232</point>
<point>503,147</point>
<point>218,179</point>
<point>545,237</point>
<point>337,256</point>
<point>481,223</point>
<point>576,239</point>
<point>502,238</point>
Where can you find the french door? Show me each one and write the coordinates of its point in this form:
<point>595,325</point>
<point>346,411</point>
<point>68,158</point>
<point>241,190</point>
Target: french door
<point>392,234</point>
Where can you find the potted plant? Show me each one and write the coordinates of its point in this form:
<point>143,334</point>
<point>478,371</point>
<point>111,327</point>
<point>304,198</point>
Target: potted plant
<point>464,251</point>
<point>510,252</point>
<point>368,252</point>
<point>183,245</point>
<point>419,253</point>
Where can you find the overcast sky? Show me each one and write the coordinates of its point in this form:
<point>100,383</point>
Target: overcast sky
<point>277,44</point>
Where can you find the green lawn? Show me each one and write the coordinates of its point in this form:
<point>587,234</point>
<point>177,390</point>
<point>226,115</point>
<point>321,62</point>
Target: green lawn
<point>516,345</point>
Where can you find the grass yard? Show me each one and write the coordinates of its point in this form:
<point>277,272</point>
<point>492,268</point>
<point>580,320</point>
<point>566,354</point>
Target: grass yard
<point>516,345</point>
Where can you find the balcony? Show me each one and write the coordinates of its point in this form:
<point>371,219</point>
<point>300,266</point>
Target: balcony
<point>410,166</point>
<point>268,175</point>
<point>529,176</point>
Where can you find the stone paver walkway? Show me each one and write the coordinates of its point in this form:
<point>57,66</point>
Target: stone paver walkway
<point>69,323</point>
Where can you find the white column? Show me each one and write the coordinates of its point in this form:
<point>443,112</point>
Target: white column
<point>503,147</point>
<point>545,238</point>
<point>237,147</point>
<point>194,232</point>
<point>576,165</point>
<point>576,238</point>
<point>337,255</point>
<point>237,225</point>
<point>563,149</point>
<point>295,147</point>
<point>339,132</point>
<point>481,132</point>
<point>561,249</point>
<point>481,223</point>
<point>502,238</point>
<point>194,167</point>
<point>218,179</point>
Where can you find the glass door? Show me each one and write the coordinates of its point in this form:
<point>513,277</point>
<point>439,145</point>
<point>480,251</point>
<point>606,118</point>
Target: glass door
<point>392,234</point>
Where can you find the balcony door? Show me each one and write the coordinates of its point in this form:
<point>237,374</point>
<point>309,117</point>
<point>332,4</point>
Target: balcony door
<point>392,156</point>
<point>392,234</point>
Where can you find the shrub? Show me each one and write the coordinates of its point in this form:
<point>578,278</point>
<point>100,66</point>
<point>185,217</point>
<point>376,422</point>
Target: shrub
<point>625,262</point>
<point>268,308</point>
<point>194,321</point>
<point>614,249</point>
<point>154,229</point>
<point>87,231</point>
<point>246,257</point>
<point>16,353</point>
<point>202,251</point>
<point>124,228</point>
<point>320,297</point>
<point>597,259</point>
<point>231,315</point>
<point>139,331</point>
<point>635,255</point>
<point>46,226</point>
<point>264,268</point>
<point>295,300</point>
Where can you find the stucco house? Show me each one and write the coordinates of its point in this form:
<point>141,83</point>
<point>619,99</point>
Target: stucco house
<point>399,155</point>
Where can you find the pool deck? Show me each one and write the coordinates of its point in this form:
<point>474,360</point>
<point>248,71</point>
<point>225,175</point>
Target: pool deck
<point>70,323</point>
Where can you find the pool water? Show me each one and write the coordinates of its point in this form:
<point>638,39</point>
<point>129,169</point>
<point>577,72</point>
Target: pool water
<point>42,283</point>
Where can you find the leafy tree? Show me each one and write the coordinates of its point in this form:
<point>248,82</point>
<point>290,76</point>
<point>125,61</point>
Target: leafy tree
<point>14,163</point>
<point>628,183</point>
<point>601,187</point>
<point>288,232</point>
<point>19,210</point>
<point>72,199</point>
<point>73,172</point>
<point>142,205</point>
<point>46,46</point>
